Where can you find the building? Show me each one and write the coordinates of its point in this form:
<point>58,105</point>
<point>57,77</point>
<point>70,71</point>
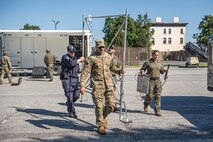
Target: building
<point>168,37</point>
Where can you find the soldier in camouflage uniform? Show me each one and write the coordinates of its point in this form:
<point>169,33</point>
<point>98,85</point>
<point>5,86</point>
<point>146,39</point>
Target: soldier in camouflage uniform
<point>118,65</point>
<point>153,68</point>
<point>98,65</point>
<point>49,60</point>
<point>6,68</point>
<point>115,61</point>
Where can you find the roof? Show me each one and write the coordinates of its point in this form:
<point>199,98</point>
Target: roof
<point>162,24</point>
<point>46,31</point>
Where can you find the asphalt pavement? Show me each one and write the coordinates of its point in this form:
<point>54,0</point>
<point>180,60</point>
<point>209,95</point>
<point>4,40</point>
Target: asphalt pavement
<point>36,111</point>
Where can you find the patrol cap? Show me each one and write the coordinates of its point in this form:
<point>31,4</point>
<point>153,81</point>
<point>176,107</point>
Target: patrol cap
<point>5,53</point>
<point>111,47</point>
<point>71,48</point>
<point>99,43</point>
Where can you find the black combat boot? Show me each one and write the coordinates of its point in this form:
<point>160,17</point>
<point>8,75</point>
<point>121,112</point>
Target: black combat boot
<point>73,115</point>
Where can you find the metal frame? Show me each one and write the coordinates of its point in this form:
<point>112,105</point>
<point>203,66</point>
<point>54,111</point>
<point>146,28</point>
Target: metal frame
<point>123,115</point>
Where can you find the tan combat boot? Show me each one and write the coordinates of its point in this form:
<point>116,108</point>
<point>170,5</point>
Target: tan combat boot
<point>10,81</point>
<point>145,107</point>
<point>157,113</point>
<point>106,125</point>
<point>101,130</point>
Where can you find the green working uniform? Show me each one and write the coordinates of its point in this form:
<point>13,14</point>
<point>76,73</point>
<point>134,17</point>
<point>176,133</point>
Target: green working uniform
<point>49,60</point>
<point>6,68</point>
<point>99,67</point>
<point>154,69</point>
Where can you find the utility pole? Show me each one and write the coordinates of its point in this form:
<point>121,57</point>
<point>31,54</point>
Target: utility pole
<point>55,23</point>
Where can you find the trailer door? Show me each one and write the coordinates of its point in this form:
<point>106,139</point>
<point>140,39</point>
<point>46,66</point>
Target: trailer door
<point>39,51</point>
<point>12,46</point>
<point>27,52</point>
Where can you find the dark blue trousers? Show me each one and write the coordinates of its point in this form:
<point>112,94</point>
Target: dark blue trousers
<point>72,92</point>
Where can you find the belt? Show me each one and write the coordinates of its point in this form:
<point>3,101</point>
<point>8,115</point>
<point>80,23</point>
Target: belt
<point>154,78</point>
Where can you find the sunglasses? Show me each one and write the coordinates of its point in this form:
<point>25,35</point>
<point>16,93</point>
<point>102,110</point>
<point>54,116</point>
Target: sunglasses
<point>101,47</point>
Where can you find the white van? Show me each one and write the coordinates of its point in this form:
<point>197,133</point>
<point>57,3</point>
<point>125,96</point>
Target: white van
<point>192,61</point>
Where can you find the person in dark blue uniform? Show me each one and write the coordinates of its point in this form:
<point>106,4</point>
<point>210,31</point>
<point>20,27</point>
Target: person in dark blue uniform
<point>70,79</point>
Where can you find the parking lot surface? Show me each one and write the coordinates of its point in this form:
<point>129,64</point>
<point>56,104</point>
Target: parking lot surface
<point>36,111</point>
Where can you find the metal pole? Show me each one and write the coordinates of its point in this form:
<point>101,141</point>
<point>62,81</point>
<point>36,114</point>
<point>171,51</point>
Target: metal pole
<point>105,16</point>
<point>82,46</point>
<point>124,54</point>
<point>55,23</point>
<point>83,35</point>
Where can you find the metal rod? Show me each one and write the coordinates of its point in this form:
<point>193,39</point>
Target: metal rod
<point>82,46</point>
<point>115,35</point>
<point>90,30</point>
<point>83,35</point>
<point>124,54</point>
<point>105,16</point>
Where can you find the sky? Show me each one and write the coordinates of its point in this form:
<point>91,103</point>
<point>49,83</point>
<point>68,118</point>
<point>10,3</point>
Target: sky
<point>14,14</point>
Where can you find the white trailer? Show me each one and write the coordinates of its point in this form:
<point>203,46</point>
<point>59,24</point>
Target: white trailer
<point>27,47</point>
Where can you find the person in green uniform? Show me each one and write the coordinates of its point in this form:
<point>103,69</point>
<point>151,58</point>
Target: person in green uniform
<point>153,68</point>
<point>49,60</point>
<point>6,68</point>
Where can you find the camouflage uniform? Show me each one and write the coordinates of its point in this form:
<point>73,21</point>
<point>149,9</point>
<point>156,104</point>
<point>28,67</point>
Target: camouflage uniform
<point>117,64</point>
<point>49,60</point>
<point>154,69</point>
<point>99,67</point>
<point>6,68</point>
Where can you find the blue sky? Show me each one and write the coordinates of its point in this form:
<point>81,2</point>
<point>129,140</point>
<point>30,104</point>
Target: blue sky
<point>14,14</point>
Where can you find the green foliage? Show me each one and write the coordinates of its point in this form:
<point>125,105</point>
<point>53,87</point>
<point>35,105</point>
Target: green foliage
<point>144,33</point>
<point>31,27</point>
<point>206,28</point>
<point>138,32</point>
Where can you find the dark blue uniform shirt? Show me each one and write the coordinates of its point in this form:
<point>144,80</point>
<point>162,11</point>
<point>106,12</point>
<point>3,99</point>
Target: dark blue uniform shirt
<point>70,68</point>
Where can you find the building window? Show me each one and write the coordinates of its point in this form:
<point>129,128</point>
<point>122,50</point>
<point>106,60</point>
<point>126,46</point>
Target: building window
<point>170,31</point>
<point>164,30</point>
<point>181,40</point>
<point>169,41</point>
<point>164,40</point>
<point>153,41</point>
<point>181,31</point>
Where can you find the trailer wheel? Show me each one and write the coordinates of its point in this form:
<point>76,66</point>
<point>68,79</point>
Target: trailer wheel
<point>57,69</point>
<point>210,88</point>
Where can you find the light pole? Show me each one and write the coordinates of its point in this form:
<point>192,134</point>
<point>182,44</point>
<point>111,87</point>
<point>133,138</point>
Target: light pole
<point>55,23</point>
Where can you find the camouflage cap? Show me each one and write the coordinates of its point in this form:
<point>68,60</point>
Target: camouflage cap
<point>99,43</point>
<point>5,53</point>
<point>111,47</point>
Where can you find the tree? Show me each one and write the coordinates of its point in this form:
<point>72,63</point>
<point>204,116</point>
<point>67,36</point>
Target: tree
<point>112,26</point>
<point>206,28</point>
<point>144,32</point>
<point>138,32</point>
<point>31,27</point>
